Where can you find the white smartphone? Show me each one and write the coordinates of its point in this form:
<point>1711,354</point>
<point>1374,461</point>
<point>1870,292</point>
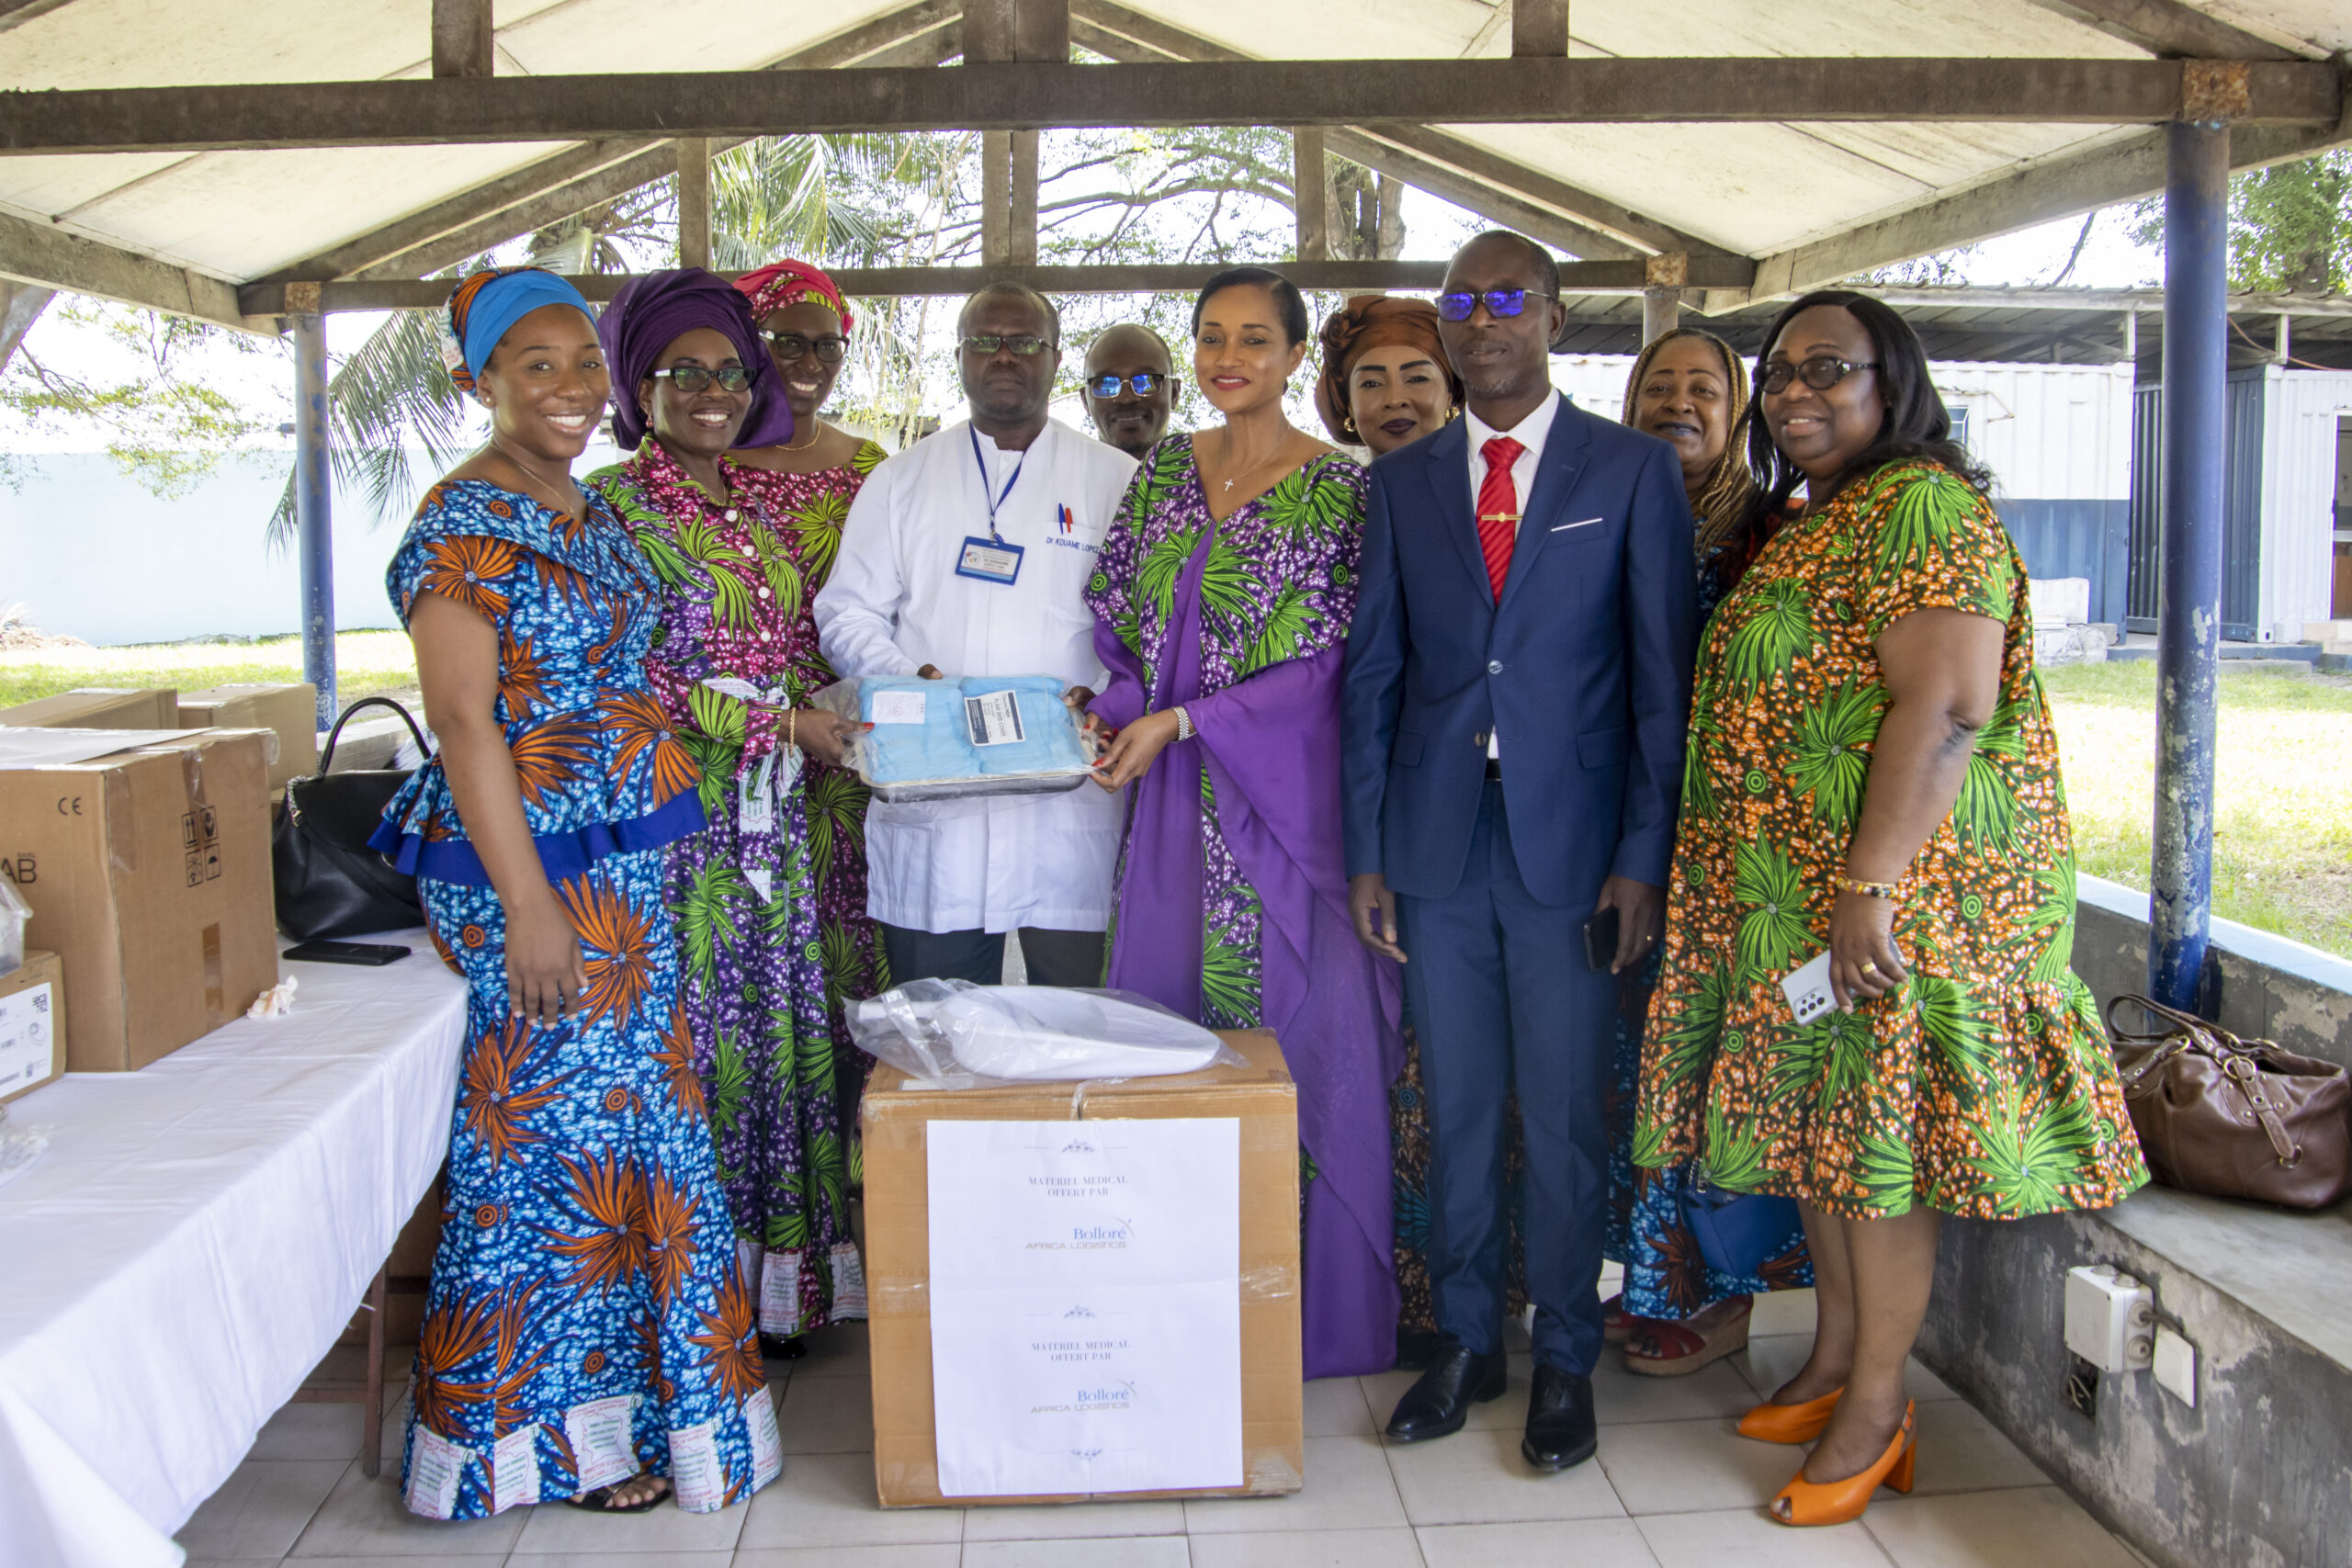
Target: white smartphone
<point>1807,988</point>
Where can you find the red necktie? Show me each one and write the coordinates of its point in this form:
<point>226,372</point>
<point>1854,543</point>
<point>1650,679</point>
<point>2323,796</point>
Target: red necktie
<point>1498,510</point>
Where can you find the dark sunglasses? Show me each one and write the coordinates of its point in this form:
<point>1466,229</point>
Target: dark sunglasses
<point>692,378</point>
<point>789,346</point>
<point>1501,301</point>
<point>1821,372</point>
<point>1143,381</point>
<point>990,343</point>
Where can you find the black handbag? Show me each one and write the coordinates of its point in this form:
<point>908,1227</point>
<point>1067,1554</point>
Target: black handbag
<point>330,883</point>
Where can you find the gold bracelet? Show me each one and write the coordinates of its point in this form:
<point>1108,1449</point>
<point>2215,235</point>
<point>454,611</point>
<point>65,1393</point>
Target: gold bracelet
<point>1867,889</point>
<point>792,731</point>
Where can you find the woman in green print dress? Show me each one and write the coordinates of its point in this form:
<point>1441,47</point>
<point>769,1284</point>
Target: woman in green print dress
<point>1871,769</point>
<point>1221,601</point>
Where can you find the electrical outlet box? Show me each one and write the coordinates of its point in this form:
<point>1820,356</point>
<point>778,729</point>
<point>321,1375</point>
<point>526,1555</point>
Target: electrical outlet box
<point>2175,1366</point>
<point>2111,1318</point>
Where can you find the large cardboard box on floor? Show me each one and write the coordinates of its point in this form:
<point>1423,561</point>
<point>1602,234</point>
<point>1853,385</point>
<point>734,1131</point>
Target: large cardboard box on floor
<point>148,874</point>
<point>1263,1099</point>
<point>99,707</point>
<point>32,1025</point>
<point>290,709</point>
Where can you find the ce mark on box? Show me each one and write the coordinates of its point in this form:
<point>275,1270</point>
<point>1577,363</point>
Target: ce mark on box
<point>200,840</point>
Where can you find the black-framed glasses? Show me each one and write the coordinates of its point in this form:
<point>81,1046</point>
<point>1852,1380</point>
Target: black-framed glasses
<point>1020,343</point>
<point>1143,381</point>
<point>788,346</point>
<point>692,378</point>
<point>1499,301</point>
<point>1821,372</point>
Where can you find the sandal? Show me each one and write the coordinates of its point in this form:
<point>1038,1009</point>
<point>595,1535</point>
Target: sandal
<point>1616,1322</point>
<point>600,1501</point>
<point>1657,1348</point>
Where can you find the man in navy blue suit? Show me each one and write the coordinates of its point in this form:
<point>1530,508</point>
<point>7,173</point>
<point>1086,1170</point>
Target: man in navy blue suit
<point>1518,681</point>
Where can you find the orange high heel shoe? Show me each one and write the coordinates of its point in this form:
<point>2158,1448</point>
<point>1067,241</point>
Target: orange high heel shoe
<point>1788,1423</point>
<point>1840,1502</point>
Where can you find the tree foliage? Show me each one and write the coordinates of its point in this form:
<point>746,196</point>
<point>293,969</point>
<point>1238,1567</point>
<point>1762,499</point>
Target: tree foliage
<point>2290,226</point>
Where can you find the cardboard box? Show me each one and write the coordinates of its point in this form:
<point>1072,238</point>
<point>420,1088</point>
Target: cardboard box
<point>898,1255</point>
<point>32,1025</point>
<point>100,707</point>
<point>290,710</point>
<point>148,874</point>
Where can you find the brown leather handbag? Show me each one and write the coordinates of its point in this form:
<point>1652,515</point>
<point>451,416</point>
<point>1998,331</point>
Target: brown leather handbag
<point>2235,1118</point>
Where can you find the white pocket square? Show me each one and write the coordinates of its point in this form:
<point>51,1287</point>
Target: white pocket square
<point>1587,523</point>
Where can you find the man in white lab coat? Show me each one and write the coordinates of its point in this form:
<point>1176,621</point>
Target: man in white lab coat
<point>965,555</point>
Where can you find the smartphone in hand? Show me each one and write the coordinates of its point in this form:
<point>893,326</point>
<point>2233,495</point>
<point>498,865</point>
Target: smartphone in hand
<point>1601,940</point>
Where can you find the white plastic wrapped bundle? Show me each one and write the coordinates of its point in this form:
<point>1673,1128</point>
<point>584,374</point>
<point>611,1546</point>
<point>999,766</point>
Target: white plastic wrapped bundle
<point>950,738</point>
<point>951,1032</point>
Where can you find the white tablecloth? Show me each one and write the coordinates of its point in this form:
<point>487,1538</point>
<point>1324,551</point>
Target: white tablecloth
<point>193,1241</point>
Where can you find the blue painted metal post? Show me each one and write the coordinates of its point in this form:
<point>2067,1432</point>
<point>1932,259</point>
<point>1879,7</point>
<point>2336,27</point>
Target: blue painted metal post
<point>2196,435</point>
<point>314,508</point>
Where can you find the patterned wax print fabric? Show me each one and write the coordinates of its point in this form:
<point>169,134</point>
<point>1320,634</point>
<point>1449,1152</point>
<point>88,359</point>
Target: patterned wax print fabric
<point>587,1318</point>
<point>763,974</point>
<point>1279,584</point>
<point>1981,1087</point>
<point>1408,1122</point>
<point>574,607</point>
<point>1232,893</point>
<point>1666,1274</point>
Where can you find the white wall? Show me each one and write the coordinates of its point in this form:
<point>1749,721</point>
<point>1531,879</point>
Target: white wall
<point>93,554</point>
<point>2299,461</point>
<point>2050,431</point>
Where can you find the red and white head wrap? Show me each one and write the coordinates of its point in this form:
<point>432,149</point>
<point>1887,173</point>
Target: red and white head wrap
<point>772,288</point>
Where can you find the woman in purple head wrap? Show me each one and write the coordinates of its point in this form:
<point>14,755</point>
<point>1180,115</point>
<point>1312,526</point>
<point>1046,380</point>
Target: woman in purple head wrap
<point>691,382</point>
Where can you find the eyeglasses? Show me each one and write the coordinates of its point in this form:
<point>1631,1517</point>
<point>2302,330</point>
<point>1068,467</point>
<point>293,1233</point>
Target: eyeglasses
<point>692,378</point>
<point>1821,372</point>
<point>1501,301</point>
<point>789,346</point>
<point>1143,381</point>
<point>990,343</point>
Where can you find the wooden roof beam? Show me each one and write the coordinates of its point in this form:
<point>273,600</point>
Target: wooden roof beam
<point>48,257</point>
<point>2168,28</point>
<point>1051,94</point>
<point>951,282</point>
<point>556,186</point>
<point>2124,170</point>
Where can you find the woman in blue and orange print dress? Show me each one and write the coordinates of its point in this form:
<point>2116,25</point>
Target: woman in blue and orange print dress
<point>588,1336</point>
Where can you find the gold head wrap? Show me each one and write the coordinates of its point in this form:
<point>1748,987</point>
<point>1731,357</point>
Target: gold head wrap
<point>1366,322</point>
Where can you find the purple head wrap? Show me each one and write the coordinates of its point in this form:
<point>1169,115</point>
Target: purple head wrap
<point>650,313</point>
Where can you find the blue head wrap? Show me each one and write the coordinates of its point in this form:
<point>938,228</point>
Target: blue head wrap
<point>486,303</point>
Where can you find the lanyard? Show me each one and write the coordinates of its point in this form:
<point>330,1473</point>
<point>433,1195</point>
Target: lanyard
<point>999,499</point>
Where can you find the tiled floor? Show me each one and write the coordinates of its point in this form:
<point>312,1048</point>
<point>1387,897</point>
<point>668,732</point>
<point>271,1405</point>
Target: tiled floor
<point>1674,1487</point>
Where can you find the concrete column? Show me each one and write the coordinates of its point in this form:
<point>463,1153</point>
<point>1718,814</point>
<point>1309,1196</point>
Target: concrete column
<point>1661,313</point>
<point>996,197</point>
<point>314,508</point>
<point>694,201</point>
<point>2196,435</point>
<point>1021,206</point>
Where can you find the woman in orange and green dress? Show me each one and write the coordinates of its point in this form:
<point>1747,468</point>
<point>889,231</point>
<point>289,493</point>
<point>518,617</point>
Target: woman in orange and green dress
<point>1872,770</point>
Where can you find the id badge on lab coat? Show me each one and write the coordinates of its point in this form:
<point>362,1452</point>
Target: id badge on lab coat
<point>989,560</point>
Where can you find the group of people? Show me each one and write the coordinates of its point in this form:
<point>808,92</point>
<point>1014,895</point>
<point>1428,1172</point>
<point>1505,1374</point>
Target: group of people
<point>1504,778</point>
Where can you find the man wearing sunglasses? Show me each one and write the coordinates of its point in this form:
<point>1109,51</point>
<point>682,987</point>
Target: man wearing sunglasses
<point>1518,680</point>
<point>1129,387</point>
<point>968,554</point>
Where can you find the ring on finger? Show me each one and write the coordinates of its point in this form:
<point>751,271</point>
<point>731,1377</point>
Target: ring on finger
<point>1869,967</point>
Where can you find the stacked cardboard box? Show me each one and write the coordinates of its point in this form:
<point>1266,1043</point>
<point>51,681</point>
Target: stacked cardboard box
<point>897,1257</point>
<point>148,876</point>
<point>99,707</point>
<point>289,709</point>
<point>32,1025</point>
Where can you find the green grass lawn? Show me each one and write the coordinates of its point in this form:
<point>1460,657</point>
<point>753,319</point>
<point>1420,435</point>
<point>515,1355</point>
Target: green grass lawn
<point>366,664</point>
<point>2282,843</point>
<point>2282,827</point>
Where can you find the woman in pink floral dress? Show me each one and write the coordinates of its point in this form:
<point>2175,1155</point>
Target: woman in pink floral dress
<point>734,663</point>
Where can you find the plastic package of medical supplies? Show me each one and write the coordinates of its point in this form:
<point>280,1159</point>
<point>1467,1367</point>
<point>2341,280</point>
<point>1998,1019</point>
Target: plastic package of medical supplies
<point>14,913</point>
<point>954,1035</point>
<point>19,1146</point>
<point>951,739</point>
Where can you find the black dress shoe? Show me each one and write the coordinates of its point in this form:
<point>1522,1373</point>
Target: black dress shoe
<point>1560,1428</point>
<point>1440,1400</point>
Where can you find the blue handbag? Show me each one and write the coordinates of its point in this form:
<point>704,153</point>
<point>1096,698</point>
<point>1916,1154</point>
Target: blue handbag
<point>1738,1232</point>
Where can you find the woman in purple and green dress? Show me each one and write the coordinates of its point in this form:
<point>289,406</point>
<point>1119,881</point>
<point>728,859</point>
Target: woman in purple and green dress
<point>691,382</point>
<point>1221,601</point>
